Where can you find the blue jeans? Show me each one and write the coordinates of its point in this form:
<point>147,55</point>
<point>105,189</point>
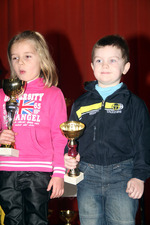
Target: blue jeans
<point>102,197</point>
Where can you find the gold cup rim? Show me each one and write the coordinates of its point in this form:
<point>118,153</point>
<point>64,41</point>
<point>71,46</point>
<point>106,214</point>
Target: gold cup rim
<point>72,133</point>
<point>82,125</point>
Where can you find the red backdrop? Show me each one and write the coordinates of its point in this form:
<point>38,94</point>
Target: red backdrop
<point>72,27</point>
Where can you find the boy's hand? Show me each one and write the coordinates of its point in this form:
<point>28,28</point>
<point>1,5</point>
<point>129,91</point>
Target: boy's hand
<point>7,137</point>
<point>57,185</point>
<point>135,188</point>
<point>70,162</point>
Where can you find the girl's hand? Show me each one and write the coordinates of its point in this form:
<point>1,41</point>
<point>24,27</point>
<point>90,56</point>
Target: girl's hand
<point>7,137</point>
<point>135,188</point>
<point>57,185</point>
<point>70,162</point>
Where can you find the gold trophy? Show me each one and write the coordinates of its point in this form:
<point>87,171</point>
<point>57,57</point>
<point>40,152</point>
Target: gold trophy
<point>68,216</point>
<point>12,88</point>
<point>72,130</point>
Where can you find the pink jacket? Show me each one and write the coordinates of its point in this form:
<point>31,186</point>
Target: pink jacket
<point>39,140</point>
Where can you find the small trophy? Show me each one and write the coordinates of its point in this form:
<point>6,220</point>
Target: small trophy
<point>67,216</point>
<point>72,130</point>
<point>12,88</point>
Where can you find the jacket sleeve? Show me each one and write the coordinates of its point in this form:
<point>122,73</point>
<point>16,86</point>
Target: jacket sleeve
<point>141,132</point>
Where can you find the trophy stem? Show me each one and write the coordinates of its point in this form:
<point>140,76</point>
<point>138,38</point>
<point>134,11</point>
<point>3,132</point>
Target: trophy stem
<point>11,108</point>
<point>10,118</point>
<point>72,151</point>
<point>12,99</point>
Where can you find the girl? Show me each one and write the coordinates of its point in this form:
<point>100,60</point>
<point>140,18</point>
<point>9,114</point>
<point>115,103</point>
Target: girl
<point>26,181</point>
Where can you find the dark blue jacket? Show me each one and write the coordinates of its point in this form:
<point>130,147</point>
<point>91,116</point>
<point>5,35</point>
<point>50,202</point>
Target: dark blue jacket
<point>117,129</point>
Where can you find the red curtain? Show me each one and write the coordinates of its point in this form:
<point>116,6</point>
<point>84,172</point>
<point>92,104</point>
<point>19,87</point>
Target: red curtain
<point>71,28</point>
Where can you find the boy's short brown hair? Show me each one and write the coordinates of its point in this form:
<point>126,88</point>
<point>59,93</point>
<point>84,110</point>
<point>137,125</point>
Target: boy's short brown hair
<point>113,40</point>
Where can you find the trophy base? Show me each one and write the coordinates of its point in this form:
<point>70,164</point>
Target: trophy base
<point>74,180</point>
<point>9,152</point>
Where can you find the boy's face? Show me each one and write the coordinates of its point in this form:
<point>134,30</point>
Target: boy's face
<point>108,66</point>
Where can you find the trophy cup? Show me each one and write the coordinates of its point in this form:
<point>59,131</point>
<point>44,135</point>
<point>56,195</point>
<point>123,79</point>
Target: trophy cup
<point>68,216</point>
<point>72,130</point>
<point>12,88</point>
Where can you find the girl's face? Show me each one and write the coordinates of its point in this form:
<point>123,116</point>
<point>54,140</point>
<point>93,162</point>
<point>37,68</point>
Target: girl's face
<point>108,66</point>
<point>25,60</point>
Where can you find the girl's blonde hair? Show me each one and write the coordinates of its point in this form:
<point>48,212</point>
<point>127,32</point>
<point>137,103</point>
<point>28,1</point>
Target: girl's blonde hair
<point>48,68</point>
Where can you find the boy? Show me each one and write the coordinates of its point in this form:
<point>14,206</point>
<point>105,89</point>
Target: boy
<point>116,138</point>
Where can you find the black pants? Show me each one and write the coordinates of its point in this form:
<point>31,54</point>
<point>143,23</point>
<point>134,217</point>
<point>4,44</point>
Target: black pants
<point>24,198</point>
